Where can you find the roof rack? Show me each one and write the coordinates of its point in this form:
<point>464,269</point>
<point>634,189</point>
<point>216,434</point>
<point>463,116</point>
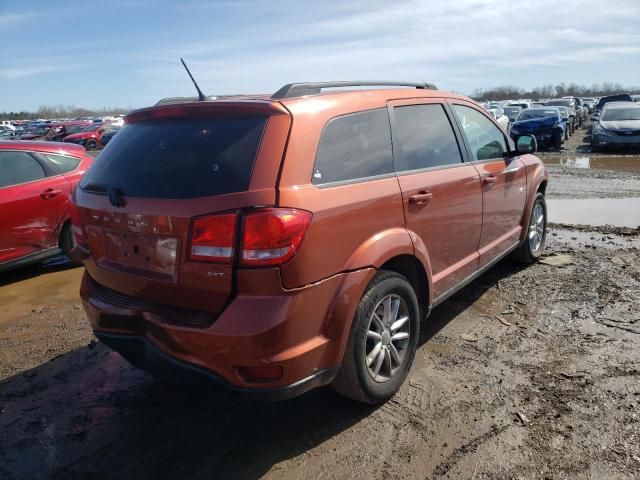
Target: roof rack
<point>313,88</point>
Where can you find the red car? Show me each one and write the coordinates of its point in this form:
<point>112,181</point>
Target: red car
<point>88,137</point>
<point>36,183</point>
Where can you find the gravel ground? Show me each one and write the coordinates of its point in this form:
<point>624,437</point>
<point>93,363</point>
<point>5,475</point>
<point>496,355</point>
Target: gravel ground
<point>526,373</point>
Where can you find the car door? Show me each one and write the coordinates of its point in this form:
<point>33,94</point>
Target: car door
<point>441,194</point>
<point>503,178</point>
<point>33,201</point>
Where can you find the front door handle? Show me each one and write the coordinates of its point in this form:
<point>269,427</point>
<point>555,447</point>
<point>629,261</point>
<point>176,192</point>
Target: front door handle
<point>50,193</point>
<point>421,198</point>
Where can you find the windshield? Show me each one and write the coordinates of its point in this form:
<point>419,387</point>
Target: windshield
<point>621,114</point>
<point>538,113</point>
<point>179,158</point>
<point>37,130</point>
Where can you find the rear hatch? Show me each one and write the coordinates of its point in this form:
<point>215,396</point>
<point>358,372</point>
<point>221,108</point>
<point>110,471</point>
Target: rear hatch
<point>167,168</point>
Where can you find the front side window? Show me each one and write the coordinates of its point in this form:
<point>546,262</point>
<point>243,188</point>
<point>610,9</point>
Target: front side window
<point>19,167</point>
<point>425,137</point>
<point>354,146</point>
<point>484,137</point>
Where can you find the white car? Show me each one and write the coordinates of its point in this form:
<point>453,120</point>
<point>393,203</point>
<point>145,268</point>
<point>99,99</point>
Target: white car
<point>500,117</point>
<point>6,125</point>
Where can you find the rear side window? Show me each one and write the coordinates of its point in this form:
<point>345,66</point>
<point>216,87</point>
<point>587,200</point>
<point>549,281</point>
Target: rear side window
<point>353,147</point>
<point>485,138</point>
<point>179,158</point>
<point>19,167</point>
<point>425,136</point>
<point>62,163</point>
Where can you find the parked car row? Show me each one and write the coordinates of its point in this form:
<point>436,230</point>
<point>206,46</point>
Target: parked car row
<point>87,134</point>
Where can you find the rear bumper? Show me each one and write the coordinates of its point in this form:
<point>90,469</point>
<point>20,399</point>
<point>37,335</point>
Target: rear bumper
<point>146,356</point>
<point>301,331</point>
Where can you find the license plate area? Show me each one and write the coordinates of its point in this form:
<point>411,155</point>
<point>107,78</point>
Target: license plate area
<point>150,256</point>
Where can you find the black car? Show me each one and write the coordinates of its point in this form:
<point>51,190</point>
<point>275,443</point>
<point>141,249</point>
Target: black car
<point>622,97</point>
<point>106,137</point>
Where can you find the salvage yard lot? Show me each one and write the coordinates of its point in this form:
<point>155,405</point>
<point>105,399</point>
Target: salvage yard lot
<point>526,373</point>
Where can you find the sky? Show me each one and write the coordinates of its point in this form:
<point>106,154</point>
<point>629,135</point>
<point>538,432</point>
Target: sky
<point>125,53</point>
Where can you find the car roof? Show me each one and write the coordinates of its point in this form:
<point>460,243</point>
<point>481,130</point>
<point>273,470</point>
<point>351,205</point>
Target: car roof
<point>352,99</point>
<point>45,147</point>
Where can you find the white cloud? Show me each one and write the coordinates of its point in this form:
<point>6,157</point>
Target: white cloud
<point>14,73</point>
<point>7,19</point>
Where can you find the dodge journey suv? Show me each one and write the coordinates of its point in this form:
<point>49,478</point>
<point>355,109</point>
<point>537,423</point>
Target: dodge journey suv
<point>276,244</point>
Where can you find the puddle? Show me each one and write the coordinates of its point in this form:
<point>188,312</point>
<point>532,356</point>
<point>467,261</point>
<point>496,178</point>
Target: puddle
<point>619,212</point>
<point>626,163</point>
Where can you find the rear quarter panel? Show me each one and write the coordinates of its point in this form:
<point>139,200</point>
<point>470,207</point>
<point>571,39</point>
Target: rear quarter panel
<point>354,225</point>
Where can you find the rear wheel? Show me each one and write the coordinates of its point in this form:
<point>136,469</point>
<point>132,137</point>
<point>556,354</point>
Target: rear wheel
<point>383,340</point>
<point>91,144</point>
<point>531,248</point>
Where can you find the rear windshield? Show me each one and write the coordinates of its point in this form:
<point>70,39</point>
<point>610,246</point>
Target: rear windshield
<point>179,158</point>
<point>623,97</point>
<point>538,113</point>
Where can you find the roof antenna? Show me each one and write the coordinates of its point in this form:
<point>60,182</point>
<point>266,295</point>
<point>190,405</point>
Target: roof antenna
<point>201,96</point>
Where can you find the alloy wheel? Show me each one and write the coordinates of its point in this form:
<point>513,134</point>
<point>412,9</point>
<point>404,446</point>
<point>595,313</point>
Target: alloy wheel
<point>536,228</point>
<point>388,335</point>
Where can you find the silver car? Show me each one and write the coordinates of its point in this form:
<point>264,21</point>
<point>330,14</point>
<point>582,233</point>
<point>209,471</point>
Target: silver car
<point>617,125</point>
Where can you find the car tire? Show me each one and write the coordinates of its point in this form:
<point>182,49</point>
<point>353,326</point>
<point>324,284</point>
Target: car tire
<point>533,244</point>
<point>367,373</point>
<point>557,142</point>
<point>91,144</point>
<point>566,133</point>
<point>66,241</point>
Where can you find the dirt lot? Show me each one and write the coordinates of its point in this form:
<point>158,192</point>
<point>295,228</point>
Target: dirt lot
<point>526,373</point>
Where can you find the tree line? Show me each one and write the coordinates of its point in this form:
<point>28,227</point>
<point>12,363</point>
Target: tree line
<point>551,91</point>
<point>62,111</point>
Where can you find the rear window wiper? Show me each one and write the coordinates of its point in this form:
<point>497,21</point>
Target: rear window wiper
<point>115,194</point>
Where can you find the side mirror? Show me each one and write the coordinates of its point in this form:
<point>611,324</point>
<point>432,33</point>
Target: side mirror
<point>526,144</point>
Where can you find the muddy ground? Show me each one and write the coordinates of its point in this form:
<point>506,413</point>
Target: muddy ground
<point>526,373</point>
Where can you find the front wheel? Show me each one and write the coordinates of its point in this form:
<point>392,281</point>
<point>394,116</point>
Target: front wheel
<point>557,142</point>
<point>383,340</point>
<point>91,144</point>
<point>533,244</point>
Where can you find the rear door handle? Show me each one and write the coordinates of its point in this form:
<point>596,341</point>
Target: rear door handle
<point>50,193</point>
<point>421,198</point>
<point>490,181</point>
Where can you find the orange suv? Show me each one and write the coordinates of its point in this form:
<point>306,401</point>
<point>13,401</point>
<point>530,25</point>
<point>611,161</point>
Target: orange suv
<point>276,244</point>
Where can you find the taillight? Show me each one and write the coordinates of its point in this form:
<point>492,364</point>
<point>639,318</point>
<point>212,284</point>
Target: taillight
<point>213,238</point>
<point>77,228</point>
<point>271,236</point>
